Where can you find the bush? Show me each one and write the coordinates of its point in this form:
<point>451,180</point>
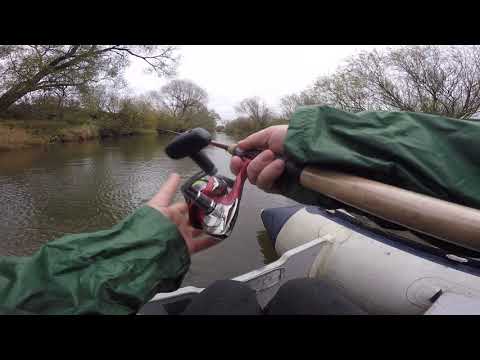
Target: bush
<point>278,121</point>
<point>242,127</point>
<point>133,117</point>
<point>73,117</point>
<point>168,122</point>
<point>110,115</point>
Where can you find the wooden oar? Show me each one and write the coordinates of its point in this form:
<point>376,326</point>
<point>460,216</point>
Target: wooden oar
<point>438,218</point>
<point>441,219</point>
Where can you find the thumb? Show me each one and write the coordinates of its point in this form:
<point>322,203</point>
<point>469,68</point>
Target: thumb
<point>257,140</point>
<point>167,191</point>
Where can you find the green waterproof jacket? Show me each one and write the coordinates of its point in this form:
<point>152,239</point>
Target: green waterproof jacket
<point>118,270</point>
<point>112,271</point>
<point>428,154</point>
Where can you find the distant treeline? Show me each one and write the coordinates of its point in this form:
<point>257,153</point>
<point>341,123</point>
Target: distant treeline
<point>114,114</point>
<point>47,90</point>
<point>254,115</point>
<point>81,86</point>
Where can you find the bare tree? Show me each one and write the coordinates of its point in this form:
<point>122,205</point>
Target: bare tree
<point>443,80</point>
<point>180,97</point>
<point>289,103</point>
<point>25,69</point>
<point>185,103</point>
<point>256,110</point>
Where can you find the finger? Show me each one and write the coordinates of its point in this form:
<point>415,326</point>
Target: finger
<point>258,164</point>
<point>167,191</point>
<point>200,243</point>
<point>178,218</point>
<point>257,140</point>
<point>195,239</point>
<point>270,174</point>
<point>196,232</point>
<point>178,213</point>
<point>180,207</point>
<point>236,165</point>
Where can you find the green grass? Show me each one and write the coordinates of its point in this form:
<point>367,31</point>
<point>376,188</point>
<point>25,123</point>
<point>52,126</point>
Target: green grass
<point>145,132</point>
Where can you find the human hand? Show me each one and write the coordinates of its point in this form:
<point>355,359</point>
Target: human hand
<point>264,170</point>
<point>195,239</point>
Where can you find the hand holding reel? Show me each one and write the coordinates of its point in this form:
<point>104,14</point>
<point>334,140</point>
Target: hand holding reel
<point>213,200</point>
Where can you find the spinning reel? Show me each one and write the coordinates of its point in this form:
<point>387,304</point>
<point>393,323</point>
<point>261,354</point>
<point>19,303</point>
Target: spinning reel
<point>213,200</point>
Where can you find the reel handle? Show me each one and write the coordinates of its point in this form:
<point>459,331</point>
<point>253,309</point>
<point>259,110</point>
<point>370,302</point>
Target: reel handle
<point>202,160</point>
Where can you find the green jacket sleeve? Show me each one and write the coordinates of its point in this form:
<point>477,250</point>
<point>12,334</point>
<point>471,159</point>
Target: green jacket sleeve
<point>112,271</point>
<point>428,154</point>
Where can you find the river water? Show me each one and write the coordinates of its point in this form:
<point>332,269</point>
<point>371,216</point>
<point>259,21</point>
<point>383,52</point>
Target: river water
<point>62,189</point>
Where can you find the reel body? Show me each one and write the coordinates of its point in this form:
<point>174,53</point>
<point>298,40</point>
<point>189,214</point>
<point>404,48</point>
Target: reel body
<point>214,202</point>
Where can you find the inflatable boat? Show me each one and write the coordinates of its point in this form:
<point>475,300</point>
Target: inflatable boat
<point>397,230</point>
<point>384,270</point>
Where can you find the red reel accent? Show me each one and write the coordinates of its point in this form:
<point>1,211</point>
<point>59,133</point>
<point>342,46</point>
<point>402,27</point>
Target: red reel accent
<point>196,214</point>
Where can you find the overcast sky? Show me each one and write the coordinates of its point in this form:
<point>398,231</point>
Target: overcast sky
<point>230,73</point>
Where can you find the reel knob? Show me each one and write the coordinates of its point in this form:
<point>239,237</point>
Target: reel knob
<point>190,144</point>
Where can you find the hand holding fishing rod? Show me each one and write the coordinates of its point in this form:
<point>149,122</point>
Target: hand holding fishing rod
<point>213,200</point>
<point>438,218</point>
<point>431,216</point>
<point>268,164</point>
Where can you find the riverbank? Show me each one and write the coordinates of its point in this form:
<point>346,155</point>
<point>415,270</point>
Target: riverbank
<point>18,134</point>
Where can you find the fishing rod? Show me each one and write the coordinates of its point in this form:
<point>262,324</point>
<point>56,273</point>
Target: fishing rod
<point>231,149</point>
<point>213,200</point>
<point>440,219</point>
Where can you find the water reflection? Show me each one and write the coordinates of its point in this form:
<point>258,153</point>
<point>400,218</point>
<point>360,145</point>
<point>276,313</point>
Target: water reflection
<point>266,247</point>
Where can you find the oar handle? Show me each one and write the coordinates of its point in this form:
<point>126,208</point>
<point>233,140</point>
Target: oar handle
<point>438,218</point>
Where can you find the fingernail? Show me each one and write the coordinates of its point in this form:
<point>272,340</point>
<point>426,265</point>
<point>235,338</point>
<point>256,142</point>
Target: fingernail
<point>279,164</point>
